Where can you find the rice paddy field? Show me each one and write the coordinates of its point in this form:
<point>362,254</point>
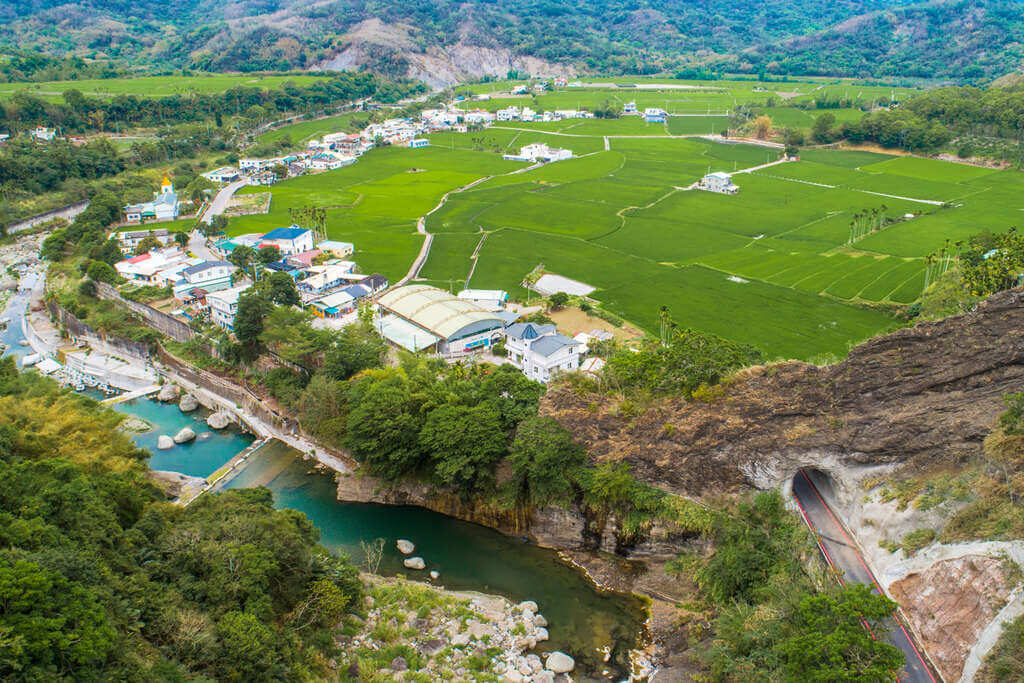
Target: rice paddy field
<point>771,266</point>
<point>304,131</point>
<point>154,86</point>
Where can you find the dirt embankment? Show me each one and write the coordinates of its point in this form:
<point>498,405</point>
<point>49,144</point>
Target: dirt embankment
<point>914,397</point>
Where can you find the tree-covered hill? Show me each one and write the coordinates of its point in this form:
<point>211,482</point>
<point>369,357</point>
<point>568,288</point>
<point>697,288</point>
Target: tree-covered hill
<point>961,39</point>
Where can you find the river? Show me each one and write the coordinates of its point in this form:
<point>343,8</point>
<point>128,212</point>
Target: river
<point>583,621</point>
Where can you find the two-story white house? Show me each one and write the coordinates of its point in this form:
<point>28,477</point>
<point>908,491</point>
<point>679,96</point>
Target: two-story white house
<point>212,276</point>
<point>719,182</point>
<point>224,305</point>
<point>540,351</point>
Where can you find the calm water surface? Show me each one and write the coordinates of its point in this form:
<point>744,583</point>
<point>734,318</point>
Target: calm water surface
<point>582,620</point>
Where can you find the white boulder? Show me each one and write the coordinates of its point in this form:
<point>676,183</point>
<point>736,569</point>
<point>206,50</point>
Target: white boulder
<point>188,403</point>
<point>414,563</point>
<point>541,634</point>
<point>168,392</point>
<point>528,606</point>
<point>164,442</point>
<point>218,420</point>
<point>434,574</point>
<point>539,620</point>
<point>184,436</point>
<point>405,547</point>
<point>560,663</point>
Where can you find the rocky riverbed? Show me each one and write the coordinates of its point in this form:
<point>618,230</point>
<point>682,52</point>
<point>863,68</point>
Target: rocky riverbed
<point>411,631</point>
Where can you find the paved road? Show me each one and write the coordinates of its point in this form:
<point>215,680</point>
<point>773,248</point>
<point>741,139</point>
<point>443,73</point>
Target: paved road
<point>842,553</point>
<point>220,202</point>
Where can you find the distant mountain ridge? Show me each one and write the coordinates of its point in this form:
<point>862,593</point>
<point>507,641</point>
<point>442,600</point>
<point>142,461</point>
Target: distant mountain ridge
<point>443,41</point>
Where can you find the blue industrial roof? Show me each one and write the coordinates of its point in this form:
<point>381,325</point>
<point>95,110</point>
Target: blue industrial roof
<point>284,233</point>
<point>356,291</point>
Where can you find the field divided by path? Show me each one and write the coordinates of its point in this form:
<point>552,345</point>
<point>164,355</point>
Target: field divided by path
<point>769,266</point>
<point>154,86</point>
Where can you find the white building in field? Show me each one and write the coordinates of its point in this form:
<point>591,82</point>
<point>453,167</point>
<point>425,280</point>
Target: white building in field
<point>538,151</point>
<point>225,174</point>
<point>224,305</point>
<point>43,134</point>
<point>720,182</point>
<point>507,114</point>
<point>540,351</point>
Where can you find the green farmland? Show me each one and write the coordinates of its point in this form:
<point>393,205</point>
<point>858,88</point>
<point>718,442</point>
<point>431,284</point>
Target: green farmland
<point>772,266</point>
<point>304,131</point>
<point>154,86</point>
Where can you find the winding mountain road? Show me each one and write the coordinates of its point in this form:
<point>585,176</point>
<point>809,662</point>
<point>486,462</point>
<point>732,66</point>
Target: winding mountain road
<point>842,553</point>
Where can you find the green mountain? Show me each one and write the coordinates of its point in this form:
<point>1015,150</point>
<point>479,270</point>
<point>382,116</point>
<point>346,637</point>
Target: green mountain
<point>444,41</point>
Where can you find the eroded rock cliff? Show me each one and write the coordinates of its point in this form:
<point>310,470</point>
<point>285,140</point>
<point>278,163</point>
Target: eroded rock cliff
<point>919,395</point>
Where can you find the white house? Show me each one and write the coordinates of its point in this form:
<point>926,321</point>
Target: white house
<point>419,142</point>
<point>212,276</point>
<point>43,134</point>
<point>527,114</point>
<point>145,267</point>
<point>290,240</point>
<point>655,115</point>
<point>224,174</point>
<point>630,108</point>
<point>327,161</point>
<point>508,114</point>
<point>224,305</point>
<point>250,165</point>
<point>539,151</point>
<point>489,299</point>
<point>164,206</point>
<point>720,182</point>
<point>540,351</point>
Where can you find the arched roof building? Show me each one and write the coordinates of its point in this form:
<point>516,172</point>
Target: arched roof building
<point>454,324</point>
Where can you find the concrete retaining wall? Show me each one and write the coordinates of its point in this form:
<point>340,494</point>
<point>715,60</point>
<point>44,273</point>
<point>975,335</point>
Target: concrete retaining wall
<point>158,320</point>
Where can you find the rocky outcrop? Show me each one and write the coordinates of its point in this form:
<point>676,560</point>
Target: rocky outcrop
<point>913,397</point>
<point>951,602</point>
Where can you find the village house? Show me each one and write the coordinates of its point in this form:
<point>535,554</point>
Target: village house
<point>130,239</point>
<point>323,280</point>
<point>164,206</point>
<point>145,268</point>
<point>224,304</point>
<point>43,134</point>
<point>540,351</point>
<point>720,182</point>
<point>630,108</point>
<point>224,174</point>
<point>507,114</point>
<point>290,240</point>
<point>655,115</point>
<point>375,283</point>
<point>212,276</point>
<point>419,142</point>
<point>336,249</point>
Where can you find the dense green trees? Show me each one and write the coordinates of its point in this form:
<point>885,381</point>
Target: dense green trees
<point>101,579</point>
<point>687,360</point>
<point>992,263</point>
<point>544,457</point>
<point>776,619</point>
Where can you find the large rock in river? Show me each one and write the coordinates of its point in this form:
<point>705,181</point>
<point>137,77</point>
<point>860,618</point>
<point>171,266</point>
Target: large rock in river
<point>560,663</point>
<point>405,547</point>
<point>218,420</point>
<point>164,442</point>
<point>169,392</point>
<point>414,563</point>
<point>184,436</point>
<point>188,403</point>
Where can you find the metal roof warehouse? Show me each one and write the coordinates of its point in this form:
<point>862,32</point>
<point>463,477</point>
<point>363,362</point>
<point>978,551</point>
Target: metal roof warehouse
<point>459,325</point>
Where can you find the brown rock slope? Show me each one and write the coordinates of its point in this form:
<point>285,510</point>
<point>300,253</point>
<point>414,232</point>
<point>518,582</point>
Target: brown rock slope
<point>912,397</point>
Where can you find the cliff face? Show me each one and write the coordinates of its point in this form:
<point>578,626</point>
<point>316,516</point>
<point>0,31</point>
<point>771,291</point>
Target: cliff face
<point>913,397</point>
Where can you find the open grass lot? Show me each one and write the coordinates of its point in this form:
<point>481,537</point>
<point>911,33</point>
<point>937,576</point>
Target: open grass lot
<point>303,131</point>
<point>155,86</point>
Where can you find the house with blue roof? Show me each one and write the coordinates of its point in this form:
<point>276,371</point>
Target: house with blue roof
<point>540,351</point>
<point>290,240</point>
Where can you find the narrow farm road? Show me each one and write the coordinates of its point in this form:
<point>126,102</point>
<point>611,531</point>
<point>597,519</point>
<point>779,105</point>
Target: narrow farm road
<point>842,553</point>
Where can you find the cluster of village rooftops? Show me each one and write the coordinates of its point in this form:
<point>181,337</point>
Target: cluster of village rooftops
<point>417,317</point>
